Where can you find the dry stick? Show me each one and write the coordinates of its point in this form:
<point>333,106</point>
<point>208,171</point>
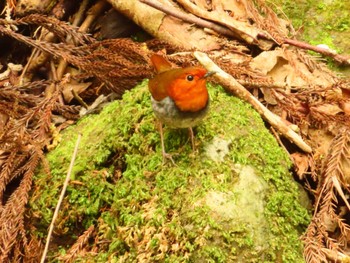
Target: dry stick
<point>54,217</point>
<point>345,60</point>
<point>63,63</point>
<point>79,99</point>
<point>231,84</point>
<point>93,12</point>
<point>78,17</point>
<point>190,18</point>
<point>244,30</point>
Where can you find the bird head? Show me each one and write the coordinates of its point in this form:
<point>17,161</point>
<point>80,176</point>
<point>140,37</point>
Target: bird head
<point>185,86</point>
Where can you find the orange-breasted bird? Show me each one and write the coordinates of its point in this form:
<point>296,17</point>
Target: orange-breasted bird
<point>180,97</point>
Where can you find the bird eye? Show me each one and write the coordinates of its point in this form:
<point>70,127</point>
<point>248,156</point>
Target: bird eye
<point>189,77</point>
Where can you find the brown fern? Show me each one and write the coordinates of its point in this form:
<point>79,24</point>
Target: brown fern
<point>59,28</point>
<point>78,246</point>
<point>11,217</point>
<point>326,211</point>
<point>22,140</point>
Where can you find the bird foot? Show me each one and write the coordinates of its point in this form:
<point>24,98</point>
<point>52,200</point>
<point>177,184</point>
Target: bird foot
<point>169,157</point>
<point>192,139</point>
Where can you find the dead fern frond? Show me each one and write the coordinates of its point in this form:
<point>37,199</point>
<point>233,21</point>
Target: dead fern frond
<point>22,140</point>
<point>32,252</point>
<point>338,156</point>
<point>78,246</point>
<point>110,61</point>
<point>266,19</point>
<point>313,243</point>
<point>10,169</point>
<point>327,217</point>
<point>59,28</point>
<point>119,63</point>
<point>11,217</point>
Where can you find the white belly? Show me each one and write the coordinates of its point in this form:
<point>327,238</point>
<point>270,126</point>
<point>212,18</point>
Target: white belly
<point>168,113</point>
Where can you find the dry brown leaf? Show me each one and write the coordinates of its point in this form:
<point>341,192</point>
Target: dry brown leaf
<point>285,68</point>
<point>268,96</point>
<point>69,88</point>
<point>301,163</point>
<point>32,6</point>
<point>345,106</point>
<point>220,14</point>
<point>237,9</point>
<point>329,109</point>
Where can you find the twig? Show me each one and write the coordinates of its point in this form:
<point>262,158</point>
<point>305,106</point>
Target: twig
<point>278,138</point>
<point>78,17</point>
<point>345,60</point>
<point>60,199</point>
<point>79,99</point>
<point>190,18</point>
<point>231,84</point>
<point>93,12</point>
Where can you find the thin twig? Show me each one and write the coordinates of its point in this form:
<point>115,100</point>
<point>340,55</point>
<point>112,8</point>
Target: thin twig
<point>232,85</point>
<point>93,12</point>
<point>190,18</point>
<point>344,60</point>
<point>60,199</point>
<point>278,138</point>
<point>79,99</point>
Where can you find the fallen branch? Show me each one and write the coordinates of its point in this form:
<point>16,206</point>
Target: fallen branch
<point>224,25</point>
<point>231,85</point>
<point>344,60</point>
<point>190,18</point>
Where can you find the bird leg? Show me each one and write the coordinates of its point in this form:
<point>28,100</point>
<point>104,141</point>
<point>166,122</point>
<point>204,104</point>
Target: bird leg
<point>192,138</point>
<point>164,153</point>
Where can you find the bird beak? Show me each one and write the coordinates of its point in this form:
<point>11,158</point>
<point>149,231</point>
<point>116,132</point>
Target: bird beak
<point>208,74</point>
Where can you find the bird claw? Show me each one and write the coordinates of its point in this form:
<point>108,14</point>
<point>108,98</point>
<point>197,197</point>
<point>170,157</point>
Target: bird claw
<point>169,157</point>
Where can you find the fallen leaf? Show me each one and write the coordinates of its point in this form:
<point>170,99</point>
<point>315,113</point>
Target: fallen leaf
<point>301,163</point>
<point>78,88</point>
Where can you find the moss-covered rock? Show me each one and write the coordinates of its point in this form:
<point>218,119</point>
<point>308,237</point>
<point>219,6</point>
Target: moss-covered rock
<point>240,207</point>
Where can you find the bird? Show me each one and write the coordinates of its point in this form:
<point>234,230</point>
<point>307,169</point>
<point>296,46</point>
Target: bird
<point>179,97</point>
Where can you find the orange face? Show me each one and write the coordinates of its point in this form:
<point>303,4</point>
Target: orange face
<point>186,86</point>
<point>188,89</point>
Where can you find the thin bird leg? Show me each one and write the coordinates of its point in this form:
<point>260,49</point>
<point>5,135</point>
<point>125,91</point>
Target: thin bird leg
<point>164,153</point>
<point>192,138</point>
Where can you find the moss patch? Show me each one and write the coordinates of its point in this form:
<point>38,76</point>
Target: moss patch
<point>146,210</point>
<point>320,22</point>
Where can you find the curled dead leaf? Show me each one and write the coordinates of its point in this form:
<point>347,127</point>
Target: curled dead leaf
<point>70,87</point>
<point>301,163</point>
<point>329,109</point>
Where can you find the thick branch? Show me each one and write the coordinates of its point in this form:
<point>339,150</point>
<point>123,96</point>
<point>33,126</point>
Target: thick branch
<point>190,18</point>
<point>165,27</point>
<point>229,83</point>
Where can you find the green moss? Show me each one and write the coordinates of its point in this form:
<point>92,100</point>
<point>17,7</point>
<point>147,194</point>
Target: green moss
<point>144,209</point>
<point>296,11</point>
<point>319,22</point>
